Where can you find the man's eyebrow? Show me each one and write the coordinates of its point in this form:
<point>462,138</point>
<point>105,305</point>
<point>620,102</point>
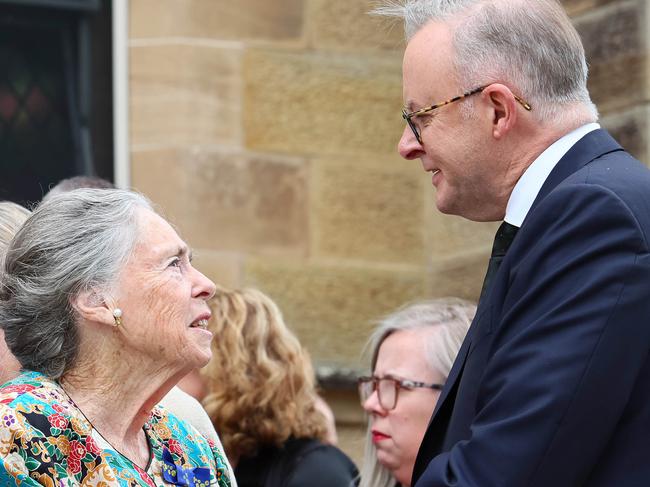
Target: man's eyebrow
<point>408,106</point>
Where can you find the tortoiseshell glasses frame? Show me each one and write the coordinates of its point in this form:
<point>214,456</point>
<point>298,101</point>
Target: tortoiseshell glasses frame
<point>417,113</point>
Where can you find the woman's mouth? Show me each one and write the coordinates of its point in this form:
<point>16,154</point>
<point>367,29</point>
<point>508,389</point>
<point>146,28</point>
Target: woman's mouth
<point>202,323</point>
<point>378,437</point>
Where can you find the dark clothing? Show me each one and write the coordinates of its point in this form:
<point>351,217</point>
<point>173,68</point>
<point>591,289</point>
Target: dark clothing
<point>300,463</point>
<point>552,383</point>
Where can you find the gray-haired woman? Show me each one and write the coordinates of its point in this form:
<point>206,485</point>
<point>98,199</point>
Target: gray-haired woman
<point>12,216</point>
<point>412,351</point>
<point>102,307</point>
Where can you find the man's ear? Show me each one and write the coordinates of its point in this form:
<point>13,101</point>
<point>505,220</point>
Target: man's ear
<point>504,109</point>
<point>93,306</point>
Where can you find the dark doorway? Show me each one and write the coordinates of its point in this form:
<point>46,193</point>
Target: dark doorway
<point>56,102</point>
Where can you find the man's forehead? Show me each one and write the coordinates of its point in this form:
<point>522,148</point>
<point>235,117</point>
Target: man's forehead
<point>427,65</point>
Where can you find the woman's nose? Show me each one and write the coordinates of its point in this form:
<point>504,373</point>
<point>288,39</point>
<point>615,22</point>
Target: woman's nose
<point>203,287</point>
<point>372,404</point>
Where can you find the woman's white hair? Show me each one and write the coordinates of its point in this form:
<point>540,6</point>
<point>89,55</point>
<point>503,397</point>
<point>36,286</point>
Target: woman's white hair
<point>74,242</point>
<point>529,45</point>
<point>450,317</point>
<point>12,216</point>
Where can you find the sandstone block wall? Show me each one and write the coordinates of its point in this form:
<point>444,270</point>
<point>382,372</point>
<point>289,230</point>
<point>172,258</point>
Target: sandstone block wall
<point>266,131</point>
<point>615,36</point>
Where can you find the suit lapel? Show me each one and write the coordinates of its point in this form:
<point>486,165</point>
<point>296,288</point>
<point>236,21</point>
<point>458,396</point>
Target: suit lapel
<point>433,436</point>
<point>454,373</point>
<point>459,362</point>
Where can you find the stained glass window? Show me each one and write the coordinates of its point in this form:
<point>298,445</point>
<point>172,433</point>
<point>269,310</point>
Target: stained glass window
<point>45,121</point>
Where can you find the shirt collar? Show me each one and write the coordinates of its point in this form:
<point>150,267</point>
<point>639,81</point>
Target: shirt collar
<point>525,191</point>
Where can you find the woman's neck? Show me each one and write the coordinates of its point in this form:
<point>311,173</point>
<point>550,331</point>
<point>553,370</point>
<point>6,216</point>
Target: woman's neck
<point>117,399</point>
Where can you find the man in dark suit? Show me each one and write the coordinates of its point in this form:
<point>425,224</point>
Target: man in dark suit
<point>552,384</point>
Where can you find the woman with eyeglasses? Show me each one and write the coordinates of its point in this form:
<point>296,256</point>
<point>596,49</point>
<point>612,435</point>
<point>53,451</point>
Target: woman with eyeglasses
<point>412,351</point>
<point>262,398</point>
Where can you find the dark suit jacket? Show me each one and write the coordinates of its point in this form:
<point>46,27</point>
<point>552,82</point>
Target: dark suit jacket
<point>552,384</point>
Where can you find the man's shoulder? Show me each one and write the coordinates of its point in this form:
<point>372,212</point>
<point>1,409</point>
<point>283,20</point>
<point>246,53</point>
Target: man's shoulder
<point>614,169</point>
<point>616,176</point>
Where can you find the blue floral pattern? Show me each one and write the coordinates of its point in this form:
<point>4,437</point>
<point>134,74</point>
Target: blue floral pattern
<point>45,440</point>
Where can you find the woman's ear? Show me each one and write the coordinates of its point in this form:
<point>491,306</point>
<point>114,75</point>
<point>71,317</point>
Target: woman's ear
<point>91,305</point>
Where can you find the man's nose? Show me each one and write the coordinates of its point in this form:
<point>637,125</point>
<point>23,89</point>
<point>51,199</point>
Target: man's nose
<point>408,146</point>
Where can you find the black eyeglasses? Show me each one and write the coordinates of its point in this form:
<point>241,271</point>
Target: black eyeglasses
<point>388,389</point>
<point>417,113</point>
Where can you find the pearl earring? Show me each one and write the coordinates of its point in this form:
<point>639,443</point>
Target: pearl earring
<point>117,314</point>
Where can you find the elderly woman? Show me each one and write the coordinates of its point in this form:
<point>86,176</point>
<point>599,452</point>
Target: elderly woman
<point>262,399</point>
<point>412,350</point>
<point>103,309</point>
<point>12,216</point>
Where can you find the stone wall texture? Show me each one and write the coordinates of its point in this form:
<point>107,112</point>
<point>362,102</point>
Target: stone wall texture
<point>266,131</point>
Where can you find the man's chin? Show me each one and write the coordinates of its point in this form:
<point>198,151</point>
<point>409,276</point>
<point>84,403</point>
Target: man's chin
<point>451,206</point>
<point>445,205</point>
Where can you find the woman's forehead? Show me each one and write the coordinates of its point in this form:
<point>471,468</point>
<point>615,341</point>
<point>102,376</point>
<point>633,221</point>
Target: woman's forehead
<point>403,350</point>
<point>157,236</point>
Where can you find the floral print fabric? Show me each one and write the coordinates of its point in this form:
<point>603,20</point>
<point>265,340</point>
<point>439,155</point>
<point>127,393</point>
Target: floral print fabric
<point>45,440</point>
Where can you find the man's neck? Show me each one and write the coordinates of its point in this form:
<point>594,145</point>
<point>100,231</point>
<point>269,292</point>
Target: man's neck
<point>524,150</point>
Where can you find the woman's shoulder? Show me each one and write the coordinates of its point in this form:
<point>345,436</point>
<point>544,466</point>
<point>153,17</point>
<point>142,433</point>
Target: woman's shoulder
<point>44,435</point>
<point>188,409</point>
<point>32,399</point>
<point>29,386</point>
<point>319,464</point>
<point>166,425</point>
<point>166,431</point>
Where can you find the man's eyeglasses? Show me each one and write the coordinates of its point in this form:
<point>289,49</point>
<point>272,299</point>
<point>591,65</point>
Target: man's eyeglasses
<point>388,388</point>
<point>417,113</point>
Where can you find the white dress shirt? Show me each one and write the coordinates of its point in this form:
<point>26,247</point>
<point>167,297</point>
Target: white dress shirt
<point>525,191</point>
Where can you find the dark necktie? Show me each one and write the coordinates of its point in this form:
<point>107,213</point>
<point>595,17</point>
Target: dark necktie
<point>502,240</point>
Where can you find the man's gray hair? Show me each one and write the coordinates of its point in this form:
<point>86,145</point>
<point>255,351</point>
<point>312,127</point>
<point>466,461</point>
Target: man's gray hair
<point>450,318</point>
<point>75,242</point>
<point>528,45</point>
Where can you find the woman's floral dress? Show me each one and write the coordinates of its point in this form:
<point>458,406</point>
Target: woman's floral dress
<point>45,440</point>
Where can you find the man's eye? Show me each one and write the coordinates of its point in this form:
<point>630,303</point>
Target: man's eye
<point>425,119</point>
<point>175,263</point>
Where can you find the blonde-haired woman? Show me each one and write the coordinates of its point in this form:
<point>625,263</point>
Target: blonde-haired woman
<point>412,351</point>
<point>262,398</point>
